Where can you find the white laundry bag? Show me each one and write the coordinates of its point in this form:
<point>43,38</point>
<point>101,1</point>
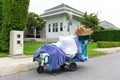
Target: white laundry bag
<point>68,45</point>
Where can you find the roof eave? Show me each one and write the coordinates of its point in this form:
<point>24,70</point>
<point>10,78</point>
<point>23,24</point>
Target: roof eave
<point>48,15</point>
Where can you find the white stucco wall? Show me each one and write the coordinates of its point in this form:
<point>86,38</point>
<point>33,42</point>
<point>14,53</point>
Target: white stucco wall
<point>58,19</point>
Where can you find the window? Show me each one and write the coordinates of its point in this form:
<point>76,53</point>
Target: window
<point>61,26</point>
<point>56,27</point>
<point>68,29</point>
<point>53,27</point>
<point>49,28</point>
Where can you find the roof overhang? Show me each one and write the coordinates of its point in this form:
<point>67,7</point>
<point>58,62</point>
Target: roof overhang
<point>61,9</point>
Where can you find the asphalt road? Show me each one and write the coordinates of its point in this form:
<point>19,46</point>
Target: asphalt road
<point>106,67</point>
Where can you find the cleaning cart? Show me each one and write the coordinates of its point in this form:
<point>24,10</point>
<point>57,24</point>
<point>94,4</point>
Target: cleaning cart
<point>44,59</point>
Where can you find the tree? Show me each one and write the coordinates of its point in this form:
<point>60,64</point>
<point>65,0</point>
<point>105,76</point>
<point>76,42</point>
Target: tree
<point>14,18</point>
<point>90,21</point>
<point>35,21</point>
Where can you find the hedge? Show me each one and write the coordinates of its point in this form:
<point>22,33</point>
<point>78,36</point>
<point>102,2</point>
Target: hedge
<point>14,13</point>
<point>104,44</point>
<point>106,35</point>
<point>0,14</point>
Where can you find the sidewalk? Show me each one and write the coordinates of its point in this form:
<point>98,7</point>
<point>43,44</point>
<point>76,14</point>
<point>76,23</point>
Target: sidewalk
<point>108,50</point>
<point>15,64</point>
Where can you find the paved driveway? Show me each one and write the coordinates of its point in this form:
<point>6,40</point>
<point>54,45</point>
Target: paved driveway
<point>100,68</point>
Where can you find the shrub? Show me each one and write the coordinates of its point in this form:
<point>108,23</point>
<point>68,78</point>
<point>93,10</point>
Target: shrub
<point>14,13</point>
<point>0,14</point>
<point>106,35</point>
<point>104,44</point>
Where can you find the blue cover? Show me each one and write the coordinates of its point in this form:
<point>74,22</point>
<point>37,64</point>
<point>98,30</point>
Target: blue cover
<point>57,56</point>
<point>81,50</point>
<point>79,44</point>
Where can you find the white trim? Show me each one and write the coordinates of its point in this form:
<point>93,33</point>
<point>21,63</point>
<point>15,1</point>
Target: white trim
<point>54,14</point>
<point>55,9</point>
<point>60,13</point>
<point>72,10</point>
<point>77,11</point>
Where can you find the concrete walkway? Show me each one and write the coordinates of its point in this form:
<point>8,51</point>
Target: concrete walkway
<point>15,64</point>
<point>108,50</point>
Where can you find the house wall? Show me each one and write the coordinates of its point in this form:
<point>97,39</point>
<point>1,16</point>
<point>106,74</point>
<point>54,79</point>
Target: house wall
<point>58,19</point>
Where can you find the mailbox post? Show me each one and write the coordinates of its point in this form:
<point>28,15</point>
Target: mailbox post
<point>16,42</point>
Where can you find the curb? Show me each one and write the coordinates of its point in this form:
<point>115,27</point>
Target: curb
<point>12,66</point>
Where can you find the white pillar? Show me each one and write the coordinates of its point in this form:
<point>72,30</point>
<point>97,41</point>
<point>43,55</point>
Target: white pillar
<point>16,42</point>
<point>34,32</point>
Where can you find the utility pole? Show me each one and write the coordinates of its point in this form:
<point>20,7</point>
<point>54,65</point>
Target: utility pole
<point>70,21</point>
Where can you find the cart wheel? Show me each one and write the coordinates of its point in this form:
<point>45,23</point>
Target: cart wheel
<point>73,66</point>
<point>62,67</point>
<point>40,69</point>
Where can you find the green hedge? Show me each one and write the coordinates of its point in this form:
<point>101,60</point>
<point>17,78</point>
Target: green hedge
<point>14,17</point>
<point>104,44</point>
<point>106,35</point>
<point>0,14</point>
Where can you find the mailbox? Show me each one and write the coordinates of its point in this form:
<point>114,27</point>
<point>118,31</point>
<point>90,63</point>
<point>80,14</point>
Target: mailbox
<point>16,42</point>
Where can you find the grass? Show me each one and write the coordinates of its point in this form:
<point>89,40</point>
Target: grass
<point>3,54</point>
<point>31,46</point>
<point>91,52</point>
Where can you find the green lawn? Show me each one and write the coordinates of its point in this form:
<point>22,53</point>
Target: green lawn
<point>31,46</point>
<point>91,52</point>
<point>3,54</point>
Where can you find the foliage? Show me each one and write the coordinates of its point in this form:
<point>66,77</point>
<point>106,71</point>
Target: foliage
<point>14,18</point>
<point>106,35</point>
<point>15,13</point>
<point>90,21</point>
<point>0,15</point>
<point>4,39</point>
<point>34,21</point>
<point>104,44</point>
<point>0,18</point>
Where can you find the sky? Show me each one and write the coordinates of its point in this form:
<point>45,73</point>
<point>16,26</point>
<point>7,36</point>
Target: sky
<point>108,10</point>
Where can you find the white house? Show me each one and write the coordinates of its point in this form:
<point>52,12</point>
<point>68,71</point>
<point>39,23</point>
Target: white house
<point>57,21</point>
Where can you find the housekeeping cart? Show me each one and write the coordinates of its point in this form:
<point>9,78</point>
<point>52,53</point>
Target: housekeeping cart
<point>44,58</point>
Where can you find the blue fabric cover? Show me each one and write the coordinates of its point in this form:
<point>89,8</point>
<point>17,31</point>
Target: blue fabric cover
<point>81,50</point>
<point>78,43</point>
<point>57,56</point>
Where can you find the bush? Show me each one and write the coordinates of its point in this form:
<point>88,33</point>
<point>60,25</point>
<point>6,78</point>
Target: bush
<point>14,17</point>
<point>15,13</point>
<point>104,44</point>
<point>106,35</point>
<point>4,40</point>
<point>0,14</point>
